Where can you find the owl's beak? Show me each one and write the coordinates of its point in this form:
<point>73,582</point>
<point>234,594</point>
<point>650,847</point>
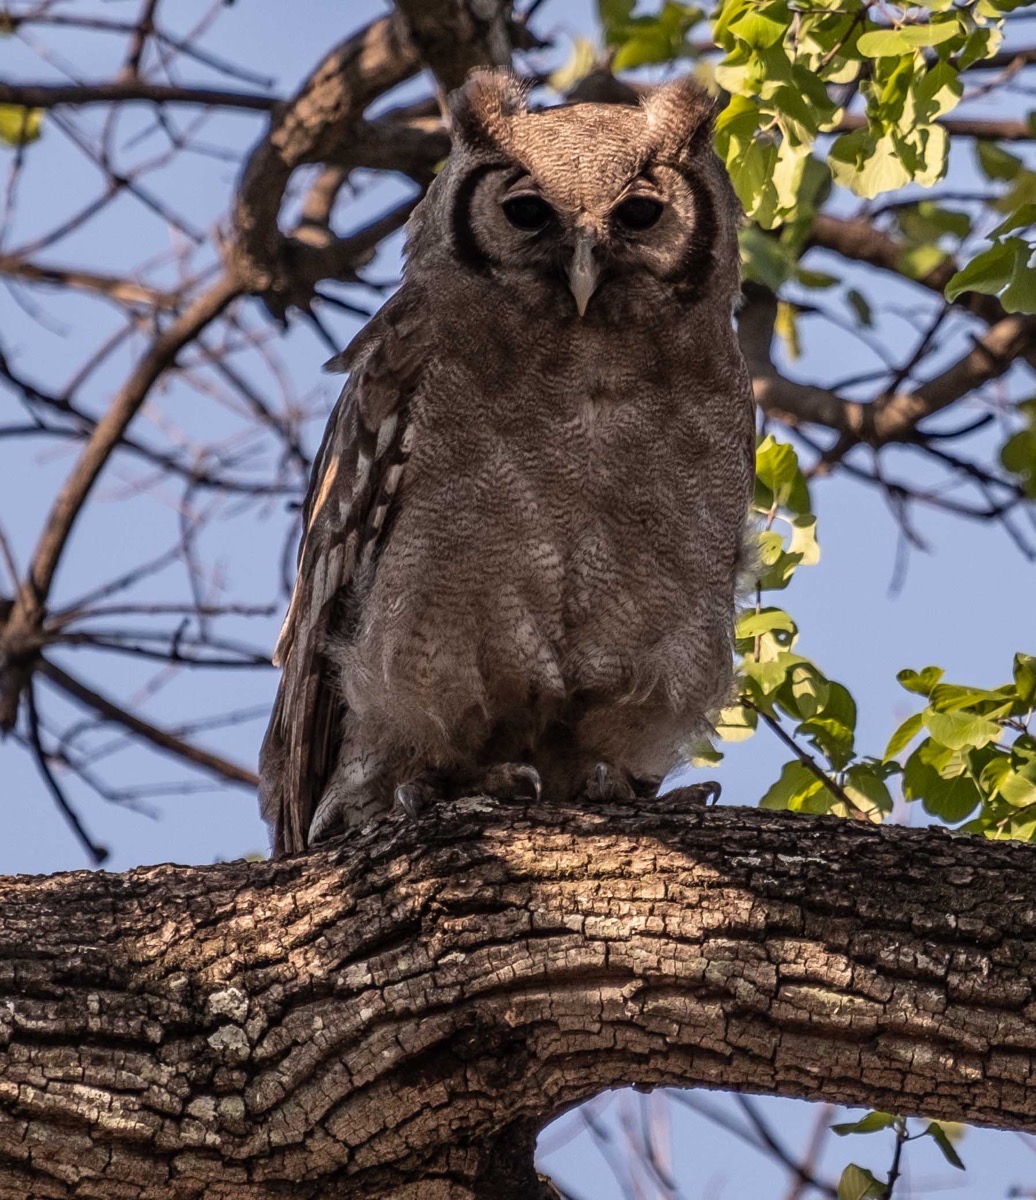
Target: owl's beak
<point>583,273</point>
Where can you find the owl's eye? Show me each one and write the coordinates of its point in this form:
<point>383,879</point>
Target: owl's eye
<point>528,213</point>
<point>638,212</point>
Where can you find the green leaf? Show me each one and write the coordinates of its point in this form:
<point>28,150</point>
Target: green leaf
<point>920,682</point>
<point>767,620</point>
<point>18,125</point>
<point>766,676</point>
<point>1020,293</point>
<point>938,91</point>
<point>1021,218</point>
<point>1025,678</point>
<point>867,791</point>
<point>995,162</point>
<point>804,539</point>
<point>736,723</point>
<point>936,1132</point>
<point>614,12</point>
<point>873,1122</point>
<point>833,729</point>
<point>795,785</point>
<point>857,1183</point>
<point>926,222</point>
<point>814,279</point>
<point>988,272</point>
<point>652,46</point>
<point>933,34</point>
<point>779,477</point>
<point>866,166</point>
<point>950,697</point>
<point>778,573</point>
<point>993,774</point>
<point>935,776</point>
<point>883,43</point>
<point>960,731</point>
<point>918,262</point>
<point>1018,453</point>
<point>808,691</point>
<point>1018,787</point>
<point>752,176</point>
<point>903,736</point>
<point>762,28</point>
<point>765,259</point>
<point>787,329</point>
<point>580,63</point>
<point>861,307</point>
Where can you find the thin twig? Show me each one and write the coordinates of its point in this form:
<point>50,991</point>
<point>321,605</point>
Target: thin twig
<point>807,760</point>
<point>98,854</point>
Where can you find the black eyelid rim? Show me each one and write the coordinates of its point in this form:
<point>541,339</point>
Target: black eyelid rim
<point>657,200</point>
<point>552,215</point>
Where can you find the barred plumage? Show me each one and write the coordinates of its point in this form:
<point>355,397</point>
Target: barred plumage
<point>523,530</point>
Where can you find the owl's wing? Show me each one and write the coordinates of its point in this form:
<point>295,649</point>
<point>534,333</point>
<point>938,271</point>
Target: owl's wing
<point>357,472</point>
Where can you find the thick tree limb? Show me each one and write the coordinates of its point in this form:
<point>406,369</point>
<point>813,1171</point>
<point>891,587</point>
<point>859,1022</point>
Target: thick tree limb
<point>452,36</point>
<point>394,1017</point>
<point>314,126</point>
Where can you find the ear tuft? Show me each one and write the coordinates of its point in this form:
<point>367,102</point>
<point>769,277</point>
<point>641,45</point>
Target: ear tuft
<point>680,115</point>
<point>481,108</point>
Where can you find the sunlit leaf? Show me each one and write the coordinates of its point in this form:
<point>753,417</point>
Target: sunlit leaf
<point>873,1122</point>
<point>18,125</point>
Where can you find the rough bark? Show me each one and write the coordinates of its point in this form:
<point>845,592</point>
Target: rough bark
<point>396,1016</point>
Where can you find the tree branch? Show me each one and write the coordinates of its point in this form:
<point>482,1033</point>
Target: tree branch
<point>859,239</point>
<point>383,1018</point>
<point>1005,130</point>
<point>453,36</point>
<point>214,764</point>
<point>18,638</point>
<point>892,417</point>
<point>314,126</point>
<point>50,95</point>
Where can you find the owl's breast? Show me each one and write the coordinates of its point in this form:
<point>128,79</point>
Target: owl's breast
<point>554,524</point>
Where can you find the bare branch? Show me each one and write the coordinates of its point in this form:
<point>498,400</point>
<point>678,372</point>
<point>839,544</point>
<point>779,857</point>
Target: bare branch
<point>162,740</point>
<point>50,95</point>
<point>18,638</point>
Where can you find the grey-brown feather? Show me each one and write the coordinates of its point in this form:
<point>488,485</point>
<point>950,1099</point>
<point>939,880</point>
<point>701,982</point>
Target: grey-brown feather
<point>524,528</point>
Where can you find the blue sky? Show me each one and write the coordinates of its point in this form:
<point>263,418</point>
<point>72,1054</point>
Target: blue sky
<point>966,604</point>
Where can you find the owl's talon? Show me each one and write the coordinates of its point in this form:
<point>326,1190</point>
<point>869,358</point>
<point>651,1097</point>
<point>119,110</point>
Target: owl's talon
<point>693,795</point>
<point>608,783</point>
<point>708,792</point>
<point>511,781</point>
<point>409,798</point>
<point>328,820</point>
<point>532,777</point>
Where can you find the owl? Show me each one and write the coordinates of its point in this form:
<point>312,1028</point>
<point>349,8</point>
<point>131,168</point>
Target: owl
<point>525,521</point>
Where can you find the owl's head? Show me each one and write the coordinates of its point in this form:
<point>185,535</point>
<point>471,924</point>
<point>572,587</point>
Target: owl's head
<point>589,209</point>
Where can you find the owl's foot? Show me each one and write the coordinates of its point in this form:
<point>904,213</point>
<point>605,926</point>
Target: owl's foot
<point>510,781</point>
<point>609,783</point>
<point>695,795</point>
<point>415,797</point>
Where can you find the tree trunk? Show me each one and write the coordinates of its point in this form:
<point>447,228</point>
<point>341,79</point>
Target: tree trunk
<point>397,1016</point>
